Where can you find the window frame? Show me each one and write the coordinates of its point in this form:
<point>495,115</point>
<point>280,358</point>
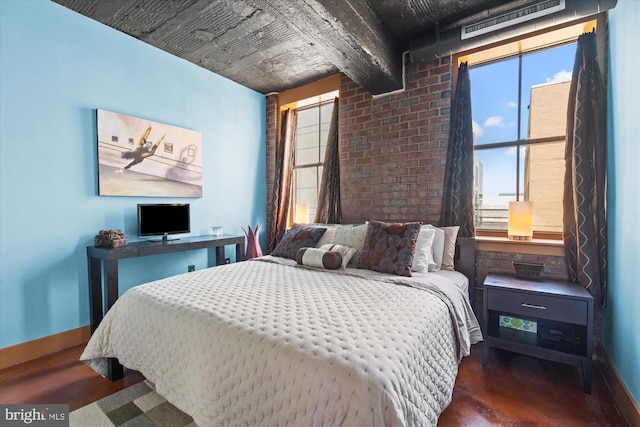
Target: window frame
<point>318,165</point>
<point>592,22</point>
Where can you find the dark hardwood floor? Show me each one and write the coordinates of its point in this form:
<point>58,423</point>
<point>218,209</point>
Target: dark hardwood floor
<point>511,390</point>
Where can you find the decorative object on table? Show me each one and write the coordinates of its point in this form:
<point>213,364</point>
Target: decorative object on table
<point>253,244</point>
<point>139,157</point>
<point>216,230</point>
<point>519,324</point>
<point>110,239</point>
<point>520,220</point>
<point>559,333</point>
<point>528,270</point>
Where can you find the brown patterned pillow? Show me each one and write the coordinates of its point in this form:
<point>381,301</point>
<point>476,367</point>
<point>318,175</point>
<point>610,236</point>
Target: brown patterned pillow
<point>389,248</point>
<point>298,236</point>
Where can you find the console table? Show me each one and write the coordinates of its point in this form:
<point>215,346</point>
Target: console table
<point>108,258</point>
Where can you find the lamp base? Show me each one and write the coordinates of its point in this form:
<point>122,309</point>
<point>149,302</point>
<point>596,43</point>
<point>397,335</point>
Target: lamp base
<point>521,238</point>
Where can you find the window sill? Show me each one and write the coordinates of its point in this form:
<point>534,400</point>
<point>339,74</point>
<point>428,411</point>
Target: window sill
<point>535,247</point>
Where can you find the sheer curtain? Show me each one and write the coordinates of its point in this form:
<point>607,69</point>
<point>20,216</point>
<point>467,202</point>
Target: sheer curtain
<point>329,210</point>
<point>585,216</point>
<point>457,195</point>
<point>281,198</point>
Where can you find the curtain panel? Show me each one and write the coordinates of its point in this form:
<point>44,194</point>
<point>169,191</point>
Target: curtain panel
<point>329,210</point>
<point>584,206</point>
<point>281,197</point>
<point>457,195</point>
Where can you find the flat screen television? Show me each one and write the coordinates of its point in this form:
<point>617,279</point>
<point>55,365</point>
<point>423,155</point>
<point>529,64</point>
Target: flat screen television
<point>163,220</point>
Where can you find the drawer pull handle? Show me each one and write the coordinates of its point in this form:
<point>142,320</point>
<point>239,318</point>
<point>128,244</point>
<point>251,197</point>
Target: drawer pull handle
<point>538,307</point>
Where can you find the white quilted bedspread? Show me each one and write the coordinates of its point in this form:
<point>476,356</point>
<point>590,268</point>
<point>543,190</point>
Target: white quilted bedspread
<point>263,343</point>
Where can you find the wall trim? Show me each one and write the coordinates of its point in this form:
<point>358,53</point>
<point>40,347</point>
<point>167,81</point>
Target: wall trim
<point>30,350</point>
<point>532,247</point>
<point>626,403</point>
<point>328,84</point>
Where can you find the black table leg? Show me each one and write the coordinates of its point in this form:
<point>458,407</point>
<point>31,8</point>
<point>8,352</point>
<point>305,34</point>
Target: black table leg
<point>586,376</point>
<point>240,251</point>
<point>95,292</point>
<point>116,371</point>
<point>220,255</point>
<point>111,279</point>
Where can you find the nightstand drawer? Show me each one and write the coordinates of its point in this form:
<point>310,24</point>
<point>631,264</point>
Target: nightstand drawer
<point>541,306</point>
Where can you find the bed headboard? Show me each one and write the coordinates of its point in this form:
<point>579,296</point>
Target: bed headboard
<point>465,260</point>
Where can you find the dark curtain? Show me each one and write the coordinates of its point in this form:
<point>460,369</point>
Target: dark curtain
<point>585,217</point>
<point>457,196</point>
<point>283,176</point>
<point>329,210</point>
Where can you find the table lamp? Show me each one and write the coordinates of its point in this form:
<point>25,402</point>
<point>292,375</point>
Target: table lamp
<point>302,214</point>
<point>520,220</point>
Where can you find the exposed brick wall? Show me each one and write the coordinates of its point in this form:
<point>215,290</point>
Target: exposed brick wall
<point>393,148</point>
<point>500,262</point>
<point>392,156</point>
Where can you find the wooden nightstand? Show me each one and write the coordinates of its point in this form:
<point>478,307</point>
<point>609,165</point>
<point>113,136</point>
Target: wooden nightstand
<point>563,312</point>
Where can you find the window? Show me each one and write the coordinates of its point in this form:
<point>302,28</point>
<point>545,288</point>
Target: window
<point>314,116</point>
<point>519,106</point>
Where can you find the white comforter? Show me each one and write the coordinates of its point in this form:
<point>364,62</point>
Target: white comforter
<point>267,343</point>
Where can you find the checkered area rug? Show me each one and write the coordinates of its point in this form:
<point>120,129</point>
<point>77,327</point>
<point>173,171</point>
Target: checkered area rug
<point>135,406</point>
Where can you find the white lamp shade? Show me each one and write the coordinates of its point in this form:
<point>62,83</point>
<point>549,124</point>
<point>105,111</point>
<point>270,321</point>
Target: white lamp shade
<point>302,214</point>
<point>520,220</point>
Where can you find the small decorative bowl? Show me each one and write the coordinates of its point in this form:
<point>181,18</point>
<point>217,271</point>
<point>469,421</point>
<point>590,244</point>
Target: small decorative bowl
<point>528,270</point>
<point>110,243</point>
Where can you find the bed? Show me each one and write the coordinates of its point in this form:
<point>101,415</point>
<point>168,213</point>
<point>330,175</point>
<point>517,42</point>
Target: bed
<point>272,341</point>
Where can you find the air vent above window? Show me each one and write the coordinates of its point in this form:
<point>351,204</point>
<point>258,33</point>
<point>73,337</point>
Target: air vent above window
<point>516,16</point>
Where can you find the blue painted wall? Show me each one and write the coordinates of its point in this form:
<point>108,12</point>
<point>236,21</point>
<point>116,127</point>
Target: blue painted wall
<point>621,332</point>
<point>56,68</point>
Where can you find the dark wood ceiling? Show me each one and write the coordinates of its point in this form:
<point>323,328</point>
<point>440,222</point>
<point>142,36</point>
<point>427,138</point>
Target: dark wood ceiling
<point>275,45</point>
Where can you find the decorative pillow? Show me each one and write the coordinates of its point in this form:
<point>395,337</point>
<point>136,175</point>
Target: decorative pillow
<point>423,255</point>
<point>346,252</point>
<point>352,236</point>
<point>327,236</point>
<point>437,248</point>
<point>449,252</point>
<point>389,248</point>
<point>298,236</point>
<point>321,258</point>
